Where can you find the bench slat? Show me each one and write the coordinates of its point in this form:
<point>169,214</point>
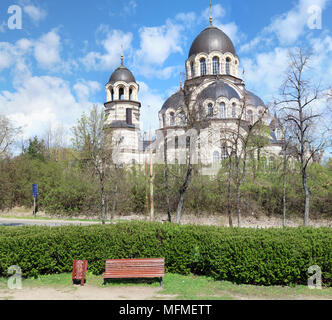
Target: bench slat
<point>135,268</point>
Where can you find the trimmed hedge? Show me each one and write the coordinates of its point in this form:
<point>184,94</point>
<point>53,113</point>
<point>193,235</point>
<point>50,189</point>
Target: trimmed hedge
<point>246,256</point>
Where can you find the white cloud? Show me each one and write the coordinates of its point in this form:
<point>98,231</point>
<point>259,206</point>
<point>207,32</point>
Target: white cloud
<point>286,28</point>
<point>290,26</point>
<point>152,102</point>
<point>130,7</point>
<point>84,89</point>
<point>158,43</point>
<point>265,72</point>
<point>35,13</point>
<point>112,50</point>
<point>39,101</point>
<point>47,50</point>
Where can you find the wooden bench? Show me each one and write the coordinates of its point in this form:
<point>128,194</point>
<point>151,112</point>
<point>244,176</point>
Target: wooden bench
<point>135,268</point>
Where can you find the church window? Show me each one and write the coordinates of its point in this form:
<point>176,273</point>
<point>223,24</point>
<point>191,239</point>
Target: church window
<point>250,116</point>
<point>210,110</point>
<point>112,94</point>
<point>224,153</point>
<point>130,94</point>
<point>121,93</point>
<point>192,69</point>
<point>203,67</point>
<point>222,110</point>
<point>129,117</point>
<point>216,157</point>
<point>228,66</point>
<point>172,119</point>
<point>278,134</point>
<point>164,121</point>
<point>215,65</point>
<point>188,142</point>
<point>233,110</point>
<point>176,142</point>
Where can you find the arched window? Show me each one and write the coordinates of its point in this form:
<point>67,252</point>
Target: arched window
<point>228,65</point>
<point>192,69</point>
<point>203,66</point>
<point>278,133</point>
<point>172,119</point>
<point>222,110</point>
<point>130,94</point>
<point>233,110</point>
<point>216,158</point>
<point>224,152</point>
<point>210,110</point>
<point>215,65</point>
<point>263,163</point>
<point>112,95</point>
<point>164,121</point>
<point>121,93</point>
<point>250,116</point>
<point>176,142</point>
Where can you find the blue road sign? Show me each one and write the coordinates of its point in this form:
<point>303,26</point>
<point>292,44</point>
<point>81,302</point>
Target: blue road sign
<point>34,190</point>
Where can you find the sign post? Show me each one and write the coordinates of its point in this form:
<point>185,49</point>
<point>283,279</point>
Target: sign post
<point>35,194</point>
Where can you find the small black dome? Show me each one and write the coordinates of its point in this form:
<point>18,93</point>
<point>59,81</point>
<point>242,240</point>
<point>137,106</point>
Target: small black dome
<point>122,74</point>
<point>212,39</point>
<point>253,100</point>
<point>175,101</point>
<point>218,89</point>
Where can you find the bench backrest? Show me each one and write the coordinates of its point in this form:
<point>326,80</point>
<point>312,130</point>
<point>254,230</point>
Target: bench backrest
<point>135,268</point>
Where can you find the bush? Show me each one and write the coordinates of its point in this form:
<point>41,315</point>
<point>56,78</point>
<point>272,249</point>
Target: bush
<point>246,256</point>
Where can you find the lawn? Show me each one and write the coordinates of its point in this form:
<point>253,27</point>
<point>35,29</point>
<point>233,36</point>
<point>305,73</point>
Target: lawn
<point>177,287</point>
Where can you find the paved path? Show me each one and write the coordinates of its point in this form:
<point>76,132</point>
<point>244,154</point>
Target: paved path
<point>12,222</point>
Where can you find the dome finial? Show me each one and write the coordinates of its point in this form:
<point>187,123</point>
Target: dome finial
<point>211,20</point>
<point>122,54</point>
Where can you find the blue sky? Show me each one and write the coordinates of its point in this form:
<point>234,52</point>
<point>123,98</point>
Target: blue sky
<point>57,65</point>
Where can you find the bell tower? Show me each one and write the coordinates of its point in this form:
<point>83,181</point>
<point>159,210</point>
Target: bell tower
<point>123,115</point>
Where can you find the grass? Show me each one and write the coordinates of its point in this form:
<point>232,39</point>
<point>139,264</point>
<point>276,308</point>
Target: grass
<point>181,287</point>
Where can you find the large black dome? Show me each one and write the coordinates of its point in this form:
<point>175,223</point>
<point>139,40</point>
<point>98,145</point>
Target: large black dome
<point>122,74</point>
<point>254,100</point>
<point>175,101</point>
<point>218,89</point>
<point>212,39</point>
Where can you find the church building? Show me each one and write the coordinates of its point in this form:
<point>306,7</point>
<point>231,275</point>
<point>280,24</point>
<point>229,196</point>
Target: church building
<point>215,85</point>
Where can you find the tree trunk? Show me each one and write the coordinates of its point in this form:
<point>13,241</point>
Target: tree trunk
<point>182,193</point>
<point>307,198</point>
<point>166,181</point>
<point>114,201</point>
<point>284,191</point>
<point>238,205</point>
<point>229,190</point>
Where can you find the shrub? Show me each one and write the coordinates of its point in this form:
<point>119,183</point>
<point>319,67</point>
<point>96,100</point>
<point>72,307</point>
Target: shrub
<point>247,256</point>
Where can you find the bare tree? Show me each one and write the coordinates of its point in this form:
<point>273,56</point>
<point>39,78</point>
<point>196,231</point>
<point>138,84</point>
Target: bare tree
<point>245,138</point>
<point>89,142</point>
<point>8,135</point>
<point>192,117</point>
<point>299,98</point>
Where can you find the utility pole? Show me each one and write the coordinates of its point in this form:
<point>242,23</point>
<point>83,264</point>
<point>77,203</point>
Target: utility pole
<point>151,181</point>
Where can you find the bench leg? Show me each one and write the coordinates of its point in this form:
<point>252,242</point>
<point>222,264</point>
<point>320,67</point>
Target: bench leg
<point>161,282</point>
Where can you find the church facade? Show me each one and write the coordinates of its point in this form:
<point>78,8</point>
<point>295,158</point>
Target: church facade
<point>215,88</point>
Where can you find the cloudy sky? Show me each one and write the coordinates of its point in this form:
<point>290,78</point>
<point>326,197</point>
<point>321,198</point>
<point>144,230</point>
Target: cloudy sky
<point>57,65</point>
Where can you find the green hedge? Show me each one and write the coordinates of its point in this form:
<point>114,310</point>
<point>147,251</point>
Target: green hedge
<point>247,256</point>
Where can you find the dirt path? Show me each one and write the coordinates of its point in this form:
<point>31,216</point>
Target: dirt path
<point>82,293</point>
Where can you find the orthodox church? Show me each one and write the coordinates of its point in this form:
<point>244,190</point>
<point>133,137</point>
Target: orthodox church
<point>214,82</point>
